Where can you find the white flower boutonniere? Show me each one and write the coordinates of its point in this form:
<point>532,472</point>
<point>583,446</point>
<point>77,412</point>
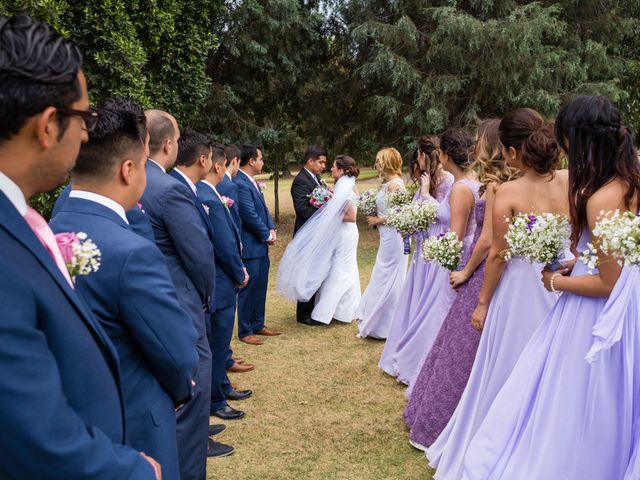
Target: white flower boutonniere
<point>80,254</point>
<point>261,186</point>
<point>206,208</point>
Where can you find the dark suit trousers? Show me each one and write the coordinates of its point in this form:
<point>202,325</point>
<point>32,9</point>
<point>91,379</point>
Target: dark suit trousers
<point>221,333</point>
<point>253,297</point>
<point>304,309</point>
<point>193,418</point>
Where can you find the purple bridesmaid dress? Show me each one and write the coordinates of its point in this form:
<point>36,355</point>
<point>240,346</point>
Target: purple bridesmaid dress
<point>444,374</point>
<point>558,415</point>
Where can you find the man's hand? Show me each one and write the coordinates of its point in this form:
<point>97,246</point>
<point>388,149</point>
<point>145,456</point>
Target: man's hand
<point>246,279</point>
<point>156,466</point>
<point>273,236</point>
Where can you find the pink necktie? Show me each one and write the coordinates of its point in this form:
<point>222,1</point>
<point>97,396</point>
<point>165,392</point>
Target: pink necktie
<point>41,229</point>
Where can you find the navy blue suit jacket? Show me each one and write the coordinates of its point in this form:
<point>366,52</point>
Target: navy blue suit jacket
<point>138,220</point>
<point>256,220</point>
<point>181,237</point>
<point>229,189</point>
<point>135,301</point>
<point>226,243</point>
<point>58,364</point>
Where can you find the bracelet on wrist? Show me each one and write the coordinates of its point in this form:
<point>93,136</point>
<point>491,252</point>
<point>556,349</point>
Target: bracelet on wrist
<point>551,282</point>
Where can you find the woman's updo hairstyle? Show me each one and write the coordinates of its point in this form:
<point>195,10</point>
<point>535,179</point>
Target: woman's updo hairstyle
<point>525,130</point>
<point>347,165</point>
<point>457,144</point>
<point>430,146</point>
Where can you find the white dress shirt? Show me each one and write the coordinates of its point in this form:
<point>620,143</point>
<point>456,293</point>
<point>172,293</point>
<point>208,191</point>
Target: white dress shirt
<point>228,175</point>
<point>250,178</point>
<point>191,184</point>
<point>157,164</point>
<point>14,194</point>
<point>214,189</point>
<point>102,200</point>
<point>315,179</point>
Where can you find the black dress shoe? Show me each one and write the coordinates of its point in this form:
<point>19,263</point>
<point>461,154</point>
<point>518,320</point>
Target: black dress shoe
<point>216,449</point>
<point>238,394</point>
<point>228,413</point>
<point>309,321</point>
<point>216,429</point>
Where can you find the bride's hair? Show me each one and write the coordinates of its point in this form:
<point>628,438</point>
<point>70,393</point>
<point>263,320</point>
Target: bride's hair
<point>347,165</point>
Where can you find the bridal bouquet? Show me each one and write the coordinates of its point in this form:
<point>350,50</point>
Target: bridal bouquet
<point>618,235</point>
<point>320,196</point>
<point>538,238</point>
<point>398,198</point>
<point>444,249</point>
<point>367,203</point>
<point>412,217</point>
<point>80,254</point>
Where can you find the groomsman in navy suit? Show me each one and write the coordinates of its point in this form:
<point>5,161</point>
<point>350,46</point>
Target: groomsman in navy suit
<point>184,241</point>
<point>230,274</point>
<point>132,294</point>
<point>258,232</point>
<point>229,189</point>
<point>61,407</point>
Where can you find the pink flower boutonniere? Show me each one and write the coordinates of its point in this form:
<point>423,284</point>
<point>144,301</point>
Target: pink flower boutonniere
<point>80,254</point>
<point>261,186</point>
<point>228,202</point>
<point>140,207</point>
<point>206,208</point>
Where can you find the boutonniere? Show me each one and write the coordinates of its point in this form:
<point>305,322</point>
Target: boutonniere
<point>140,207</point>
<point>206,208</point>
<point>80,254</point>
<point>261,186</point>
<point>323,184</point>
<point>228,202</point>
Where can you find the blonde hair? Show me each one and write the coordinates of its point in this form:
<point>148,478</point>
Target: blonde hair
<point>390,160</point>
<point>488,162</point>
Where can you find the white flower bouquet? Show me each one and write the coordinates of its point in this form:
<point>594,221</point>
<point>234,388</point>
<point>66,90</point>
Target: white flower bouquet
<point>618,235</point>
<point>444,249</point>
<point>412,217</point>
<point>80,254</point>
<point>539,238</point>
<point>398,198</point>
<point>367,203</point>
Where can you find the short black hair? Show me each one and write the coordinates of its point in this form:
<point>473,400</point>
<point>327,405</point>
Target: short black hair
<point>191,145</point>
<point>314,152</point>
<point>119,103</point>
<point>231,151</point>
<point>247,152</point>
<point>118,136</point>
<point>218,154</point>
<point>160,128</point>
<point>38,69</point>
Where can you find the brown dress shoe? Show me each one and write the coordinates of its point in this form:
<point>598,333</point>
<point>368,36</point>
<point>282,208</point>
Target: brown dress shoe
<point>241,368</point>
<point>251,340</point>
<point>268,333</point>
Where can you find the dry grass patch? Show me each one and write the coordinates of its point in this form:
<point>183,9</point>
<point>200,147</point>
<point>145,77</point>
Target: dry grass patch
<point>321,408</point>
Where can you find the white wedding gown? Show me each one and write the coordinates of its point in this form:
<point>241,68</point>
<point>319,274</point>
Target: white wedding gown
<point>339,295</point>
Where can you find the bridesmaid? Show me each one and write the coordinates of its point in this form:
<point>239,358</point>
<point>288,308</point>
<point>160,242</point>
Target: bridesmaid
<point>381,296</point>
<point>437,389</point>
<point>512,299</point>
<point>415,296</point>
<point>456,213</point>
<point>557,415</point>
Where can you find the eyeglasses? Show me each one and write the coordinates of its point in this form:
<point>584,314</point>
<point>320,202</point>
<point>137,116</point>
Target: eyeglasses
<point>89,117</point>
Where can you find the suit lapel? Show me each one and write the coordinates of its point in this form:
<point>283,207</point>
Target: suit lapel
<point>254,189</point>
<point>198,204</point>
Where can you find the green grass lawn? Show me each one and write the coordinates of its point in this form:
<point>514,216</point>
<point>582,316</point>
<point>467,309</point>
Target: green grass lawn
<point>321,408</point>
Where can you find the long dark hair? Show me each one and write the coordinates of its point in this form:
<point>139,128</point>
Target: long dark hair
<point>600,149</point>
<point>430,146</point>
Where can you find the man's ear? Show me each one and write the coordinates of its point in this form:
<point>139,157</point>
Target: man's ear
<point>167,145</point>
<point>46,128</point>
<point>202,160</point>
<point>126,171</point>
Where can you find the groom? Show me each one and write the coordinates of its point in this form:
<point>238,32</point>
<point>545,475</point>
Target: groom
<point>315,159</point>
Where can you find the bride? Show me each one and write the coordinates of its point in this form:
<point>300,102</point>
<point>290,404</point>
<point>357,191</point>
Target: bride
<point>322,257</point>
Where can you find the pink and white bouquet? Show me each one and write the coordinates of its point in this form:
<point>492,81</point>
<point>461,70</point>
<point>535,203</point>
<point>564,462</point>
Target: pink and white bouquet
<point>412,217</point>
<point>80,254</point>
<point>538,238</point>
<point>618,235</point>
<point>228,202</point>
<point>398,198</point>
<point>261,186</point>
<point>367,203</point>
<point>320,196</point>
<point>444,249</point>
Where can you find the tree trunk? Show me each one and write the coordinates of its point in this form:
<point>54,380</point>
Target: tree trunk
<point>276,176</point>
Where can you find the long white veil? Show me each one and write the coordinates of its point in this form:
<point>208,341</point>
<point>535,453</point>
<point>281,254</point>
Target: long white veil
<point>307,260</point>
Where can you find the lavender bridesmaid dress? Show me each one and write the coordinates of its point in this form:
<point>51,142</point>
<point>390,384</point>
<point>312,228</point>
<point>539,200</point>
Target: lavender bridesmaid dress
<point>417,340</point>
<point>416,292</point>
<point>379,300</point>
<point>518,306</point>
<point>444,374</point>
<point>559,416</point>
